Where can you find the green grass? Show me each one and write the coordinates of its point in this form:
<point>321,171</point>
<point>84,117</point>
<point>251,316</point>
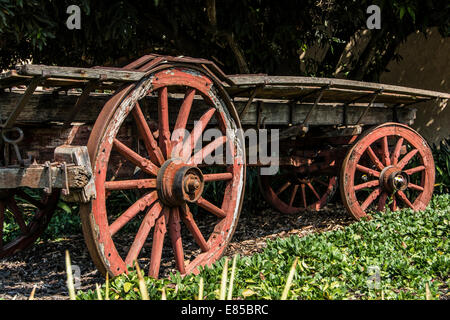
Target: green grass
<point>410,249</point>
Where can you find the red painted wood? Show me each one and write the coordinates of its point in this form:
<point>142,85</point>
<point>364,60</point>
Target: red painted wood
<point>353,193</point>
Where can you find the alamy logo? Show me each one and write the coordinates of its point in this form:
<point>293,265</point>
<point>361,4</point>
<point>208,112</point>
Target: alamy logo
<point>74,20</point>
<point>374,279</point>
<point>76,271</point>
<point>374,20</point>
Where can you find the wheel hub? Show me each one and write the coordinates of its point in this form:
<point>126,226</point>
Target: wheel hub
<point>178,183</point>
<point>393,179</point>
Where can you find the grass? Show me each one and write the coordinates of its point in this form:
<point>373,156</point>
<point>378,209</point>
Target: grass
<point>407,252</point>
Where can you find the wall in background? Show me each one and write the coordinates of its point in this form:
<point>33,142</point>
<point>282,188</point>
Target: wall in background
<point>425,65</point>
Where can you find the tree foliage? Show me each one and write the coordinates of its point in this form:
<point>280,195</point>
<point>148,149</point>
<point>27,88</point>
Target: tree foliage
<point>241,36</point>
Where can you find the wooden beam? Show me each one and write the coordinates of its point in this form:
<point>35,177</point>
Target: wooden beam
<point>36,176</point>
<point>44,107</point>
<point>290,81</point>
<point>80,73</point>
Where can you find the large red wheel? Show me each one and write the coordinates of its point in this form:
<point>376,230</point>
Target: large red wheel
<point>24,215</point>
<point>290,193</point>
<point>168,175</point>
<point>390,165</point>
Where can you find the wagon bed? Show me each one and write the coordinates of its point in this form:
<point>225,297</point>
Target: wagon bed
<point>278,93</point>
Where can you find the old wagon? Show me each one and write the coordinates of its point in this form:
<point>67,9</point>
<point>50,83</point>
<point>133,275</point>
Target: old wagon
<point>124,144</point>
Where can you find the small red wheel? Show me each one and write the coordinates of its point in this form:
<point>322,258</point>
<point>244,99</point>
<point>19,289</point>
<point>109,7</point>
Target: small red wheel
<point>166,173</point>
<point>389,165</point>
<point>24,215</point>
<point>290,193</point>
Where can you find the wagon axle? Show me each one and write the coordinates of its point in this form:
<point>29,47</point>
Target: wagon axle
<point>394,179</point>
<point>177,183</point>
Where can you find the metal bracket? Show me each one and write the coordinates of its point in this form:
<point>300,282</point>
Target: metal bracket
<point>48,167</point>
<point>79,156</point>
<point>91,85</point>
<point>249,102</point>
<point>308,116</point>
<point>22,103</point>
<point>66,190</point>
<point>375,95</point>
<point>301,98</point>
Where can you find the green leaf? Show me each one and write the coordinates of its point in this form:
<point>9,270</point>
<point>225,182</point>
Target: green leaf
<point>127,286</point>
<point>412,14</point>
<point>402,12</point>
<point>248,293</point>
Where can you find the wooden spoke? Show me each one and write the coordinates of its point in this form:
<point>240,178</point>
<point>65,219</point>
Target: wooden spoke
<point>18,216</point>
<point>415,187</point>
<point>175,237</point>
<point>179,131</point>
<point>369,184</point>
<point>310,186</point>
<point>405,199</point>
<point>189,221</point>
<point>143,232</point>
<point>321,182</point>
<point>374,158</point>
<point>370,172</point>
<point>394,204</point>
<point>158,241</point>
<point>185,109</point>
<point>283,187</point>
<point>132,211</point>
<point>304,196</point>
<point>287,204</point>
<point>386,158</point>
<point>398,148</point>
<point>22,194</point>
<point>135,158</point>
<point>382,201</point>
<point>130,184</point>
<point>293,194</point>
<point>196,134</point>
<point>414,170</point>
<point>30,215</point>
<point>207,150</point>
<point>163,118</point>
<point>208,206</point>
<point>150,143</point>
<point>371,198</point>
<point>407,158</point>
<point>218,177</point>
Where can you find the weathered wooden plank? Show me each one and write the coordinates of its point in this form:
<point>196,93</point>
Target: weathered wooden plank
<point>36,176</point>
<point>331,95</point>
<point>11,78</point>
<point>80,73</point>
<point>290,81</point>
<point>324,114</point>
<point>45,107</point>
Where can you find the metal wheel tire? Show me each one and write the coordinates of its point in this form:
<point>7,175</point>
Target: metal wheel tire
<point>390,165</point>
<point>30,213</point>
<point>172,175</point>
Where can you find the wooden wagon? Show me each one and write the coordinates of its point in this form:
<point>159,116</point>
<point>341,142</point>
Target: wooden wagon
<point>128,144</point>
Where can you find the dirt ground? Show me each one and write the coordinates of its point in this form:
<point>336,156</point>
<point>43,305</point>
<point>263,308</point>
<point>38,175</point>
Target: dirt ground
<point>43,264</point>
